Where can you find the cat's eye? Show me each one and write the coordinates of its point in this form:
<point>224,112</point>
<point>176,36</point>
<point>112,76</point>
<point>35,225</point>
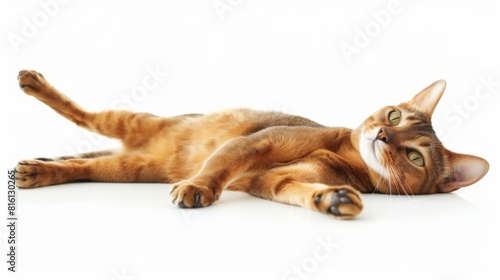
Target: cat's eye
<point>394,117</point>
<point>416,157</point>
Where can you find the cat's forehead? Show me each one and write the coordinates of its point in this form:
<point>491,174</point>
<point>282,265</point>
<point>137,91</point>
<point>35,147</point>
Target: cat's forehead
<point>413,115</point>
<point>409,115</point>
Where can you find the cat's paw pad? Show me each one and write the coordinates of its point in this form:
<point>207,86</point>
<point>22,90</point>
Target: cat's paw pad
<point>341,202</point>
<point>33,174</point>
<point>31,82</point>
<point>188,195</point>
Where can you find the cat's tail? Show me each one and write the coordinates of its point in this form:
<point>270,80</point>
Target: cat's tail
<point>82,156</point>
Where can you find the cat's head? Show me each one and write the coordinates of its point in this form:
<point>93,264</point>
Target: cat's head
<point>404,155</point>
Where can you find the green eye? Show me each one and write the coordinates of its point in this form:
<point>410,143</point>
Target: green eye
<point>394,117</point>
<point>416,158</point>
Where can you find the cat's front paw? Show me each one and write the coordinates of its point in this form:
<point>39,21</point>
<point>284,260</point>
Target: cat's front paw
<point>32,82</point>
<point>341,202</point>
<point>189,195</point>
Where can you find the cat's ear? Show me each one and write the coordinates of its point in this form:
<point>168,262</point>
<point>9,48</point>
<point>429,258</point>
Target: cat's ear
<point>427,100</point>
<point>465,170</point>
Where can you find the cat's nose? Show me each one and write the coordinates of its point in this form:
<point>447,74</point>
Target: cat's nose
<point>383,135</point>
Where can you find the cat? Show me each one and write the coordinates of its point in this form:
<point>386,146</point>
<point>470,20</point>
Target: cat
<point>275,156</point>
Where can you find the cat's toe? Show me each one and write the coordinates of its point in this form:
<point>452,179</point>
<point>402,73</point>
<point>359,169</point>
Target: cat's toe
<point>341,202</point>
<point>189,195</point>
<point>345,204</point>
<point>34,173</point>
<point>31,82</point>
<point>28,174</point>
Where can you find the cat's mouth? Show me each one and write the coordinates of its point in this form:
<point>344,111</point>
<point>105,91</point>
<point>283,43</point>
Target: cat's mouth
<point>372,151</point>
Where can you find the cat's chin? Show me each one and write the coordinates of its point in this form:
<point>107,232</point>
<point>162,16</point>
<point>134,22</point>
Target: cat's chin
<point>371,151</point>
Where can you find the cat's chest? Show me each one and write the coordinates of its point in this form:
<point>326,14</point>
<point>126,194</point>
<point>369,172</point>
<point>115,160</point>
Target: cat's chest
<point>345,168</point>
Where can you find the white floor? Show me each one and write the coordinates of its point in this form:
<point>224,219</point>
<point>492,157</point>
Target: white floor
<point>132,231</point>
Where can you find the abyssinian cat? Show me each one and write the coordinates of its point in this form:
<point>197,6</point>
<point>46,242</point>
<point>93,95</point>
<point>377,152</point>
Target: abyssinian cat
<point>271,155</point>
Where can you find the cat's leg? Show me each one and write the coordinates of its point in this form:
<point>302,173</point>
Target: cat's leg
<point>133,129</point>
<point>301,184</point>
<point>123,168</point>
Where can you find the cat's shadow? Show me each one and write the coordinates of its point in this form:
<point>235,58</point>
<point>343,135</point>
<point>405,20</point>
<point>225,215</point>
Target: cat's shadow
<point>383,207</point>
<point>395,207</point>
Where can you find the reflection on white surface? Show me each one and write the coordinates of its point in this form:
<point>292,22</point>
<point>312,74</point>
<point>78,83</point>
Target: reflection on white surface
<point>433,206</point>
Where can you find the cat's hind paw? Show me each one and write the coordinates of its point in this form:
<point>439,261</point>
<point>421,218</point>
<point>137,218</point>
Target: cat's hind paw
<point>34,174</point>
<point>31,82</point>
<point>341,202</point>
<point>188,195</point>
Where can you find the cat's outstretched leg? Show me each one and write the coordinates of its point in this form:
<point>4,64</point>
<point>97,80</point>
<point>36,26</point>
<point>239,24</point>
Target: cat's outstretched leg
<point>298,185</point>
<point>132,128</point>
<point>123,168</point>
<point>341,202</point>
<point>34,84</point>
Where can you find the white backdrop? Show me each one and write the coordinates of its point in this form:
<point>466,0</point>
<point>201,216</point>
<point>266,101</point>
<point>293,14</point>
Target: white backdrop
<point>332,61</point>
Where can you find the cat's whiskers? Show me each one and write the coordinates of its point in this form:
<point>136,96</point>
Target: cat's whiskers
<point>381,179</point>
<point>389,185</point>
<point>397,176</point>
<point>404,185</point>
<point>390,169</point>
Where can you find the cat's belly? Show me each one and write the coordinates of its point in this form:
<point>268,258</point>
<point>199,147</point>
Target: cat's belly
<point>192,139</point>
<point>188,143</point>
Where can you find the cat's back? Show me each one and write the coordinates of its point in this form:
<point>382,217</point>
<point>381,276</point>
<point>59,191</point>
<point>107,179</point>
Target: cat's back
<point>243,121</point>
<point>218,127</point>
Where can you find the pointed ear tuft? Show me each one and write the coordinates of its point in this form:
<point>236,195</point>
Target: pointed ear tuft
<point>427,100</point>
<point>465,171</point>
